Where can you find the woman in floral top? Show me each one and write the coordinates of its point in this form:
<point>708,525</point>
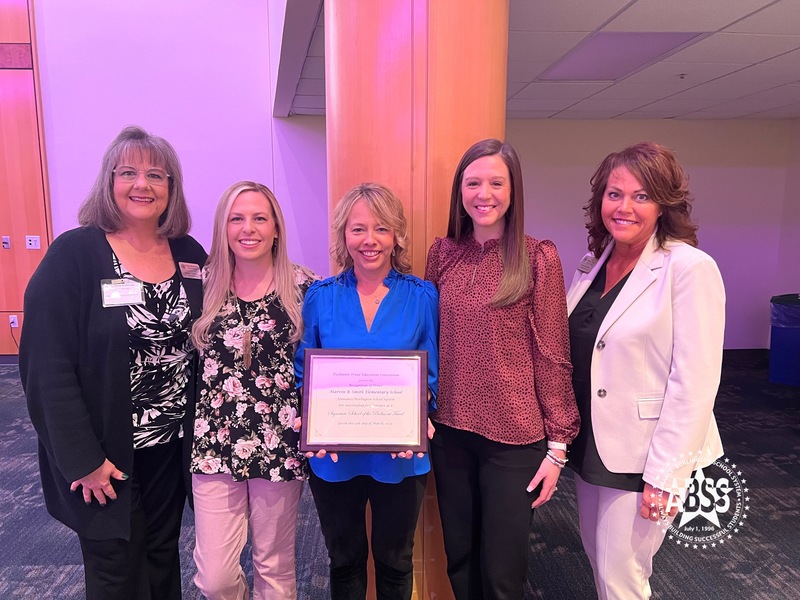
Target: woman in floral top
<point>246,466</point>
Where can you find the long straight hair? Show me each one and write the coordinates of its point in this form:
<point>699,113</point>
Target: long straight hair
<point>218,283</point>
<point>516,266</point>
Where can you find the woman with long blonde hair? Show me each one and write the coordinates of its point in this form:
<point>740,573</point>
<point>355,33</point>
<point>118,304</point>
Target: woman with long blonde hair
<point>246,466</point>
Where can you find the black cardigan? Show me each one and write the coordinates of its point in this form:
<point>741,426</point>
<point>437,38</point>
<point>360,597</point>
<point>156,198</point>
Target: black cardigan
<point>74,363</point>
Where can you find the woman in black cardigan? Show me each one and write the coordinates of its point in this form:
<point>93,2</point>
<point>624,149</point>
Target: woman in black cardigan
<point>106,365</point>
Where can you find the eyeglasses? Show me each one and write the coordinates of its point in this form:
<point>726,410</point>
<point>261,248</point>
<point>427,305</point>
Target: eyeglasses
<point>153,176</point>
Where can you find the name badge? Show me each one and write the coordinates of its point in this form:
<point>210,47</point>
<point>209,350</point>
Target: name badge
<point>587,264</point>
<point>189,270</point>
<point>121,292</point>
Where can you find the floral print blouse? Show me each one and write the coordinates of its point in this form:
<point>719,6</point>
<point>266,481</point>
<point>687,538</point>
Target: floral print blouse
<point>160,359</point>
<point>244,419</point>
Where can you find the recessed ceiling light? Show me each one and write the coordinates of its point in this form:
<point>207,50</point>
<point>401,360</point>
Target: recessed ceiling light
<point>608,56</point>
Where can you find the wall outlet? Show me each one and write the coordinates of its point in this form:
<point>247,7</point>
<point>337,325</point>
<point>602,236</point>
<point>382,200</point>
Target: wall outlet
<point>13,321</point>
<point>6,242</point>
<point>32,242</point>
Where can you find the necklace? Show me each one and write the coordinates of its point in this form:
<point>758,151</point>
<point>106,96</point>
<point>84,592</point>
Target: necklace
<point>247,335</point>
<point>378,296</point>
<point>247,340</point>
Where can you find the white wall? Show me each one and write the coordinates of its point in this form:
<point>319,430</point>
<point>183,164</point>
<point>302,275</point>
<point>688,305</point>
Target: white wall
<point>738,173</point>
<point>199,73</point>
<point>788,265</point>
<point>196,72</point>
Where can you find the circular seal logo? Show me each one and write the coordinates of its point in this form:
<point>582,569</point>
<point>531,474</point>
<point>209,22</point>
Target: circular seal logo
<point>712,502</point>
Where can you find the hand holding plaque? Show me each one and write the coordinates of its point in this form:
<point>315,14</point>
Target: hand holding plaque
<point>365,400</point>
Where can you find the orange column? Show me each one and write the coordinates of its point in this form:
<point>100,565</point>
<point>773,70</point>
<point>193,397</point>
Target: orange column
<point>410,85</point>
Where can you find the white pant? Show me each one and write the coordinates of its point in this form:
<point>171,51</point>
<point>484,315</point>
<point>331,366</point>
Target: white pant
<point>222,510</point>
<point>620,544</point>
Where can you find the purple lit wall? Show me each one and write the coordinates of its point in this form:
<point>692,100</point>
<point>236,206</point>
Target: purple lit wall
<point>196,72</point>
<point>199,73</point>
<point>745,176</point>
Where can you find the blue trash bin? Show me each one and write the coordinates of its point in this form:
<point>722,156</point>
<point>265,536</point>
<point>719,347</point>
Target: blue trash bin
<point>784,344</point>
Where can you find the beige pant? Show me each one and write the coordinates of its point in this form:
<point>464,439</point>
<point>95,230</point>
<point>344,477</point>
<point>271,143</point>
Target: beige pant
<point>620,544</point>
<point>222,510</point>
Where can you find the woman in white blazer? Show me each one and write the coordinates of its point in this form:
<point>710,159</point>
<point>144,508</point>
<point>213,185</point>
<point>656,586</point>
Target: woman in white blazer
<point>647,315</point>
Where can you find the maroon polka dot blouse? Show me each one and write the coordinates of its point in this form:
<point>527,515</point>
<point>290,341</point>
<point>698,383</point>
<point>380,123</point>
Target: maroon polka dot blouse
<point>504,373</point>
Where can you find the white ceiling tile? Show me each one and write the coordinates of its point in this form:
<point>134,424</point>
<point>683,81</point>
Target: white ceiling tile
<point>609,104</point>
<point>308,102</point>
<point>694,73</point>
<point>643,91</point>
<point>785,112</point>
<point>645,113</point>
<point>744,82</point>
<point>561,15</point>
<point>679,105</point>
<point>529,114</point>
<point>701,116</point>
<point>736,48</point>
<point>541,46</point>
<point>717,114</point>
<point>308,111</point>
<point>576,91</point>
<point>310,87</point>
<point>313,68</point>
<point>781,17</point>
<point>586,114</point>
<point>317,46</point>
<point>551,104</point>
<point>513,87</point>
<point>729,73</point>
<point>762,101</point>
<point>525,70</point>
<point>790,58</point>
<point>683,15</point>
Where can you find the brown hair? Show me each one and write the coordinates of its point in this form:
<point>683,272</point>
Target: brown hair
<point>100,208</point>
<point>387,209</point>
<point>516,266</point>
<point>658,172</point>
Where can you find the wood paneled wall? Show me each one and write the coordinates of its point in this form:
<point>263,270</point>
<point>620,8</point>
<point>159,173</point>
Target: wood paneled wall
<point>23,204</point>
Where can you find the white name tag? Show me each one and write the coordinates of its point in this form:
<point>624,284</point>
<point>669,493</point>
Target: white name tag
<point>190,270</point>
<point>121,292</point>
<point>587,264</point>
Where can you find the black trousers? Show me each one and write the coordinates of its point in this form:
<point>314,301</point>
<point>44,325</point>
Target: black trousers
<point>395,508</point>
<point>486,511</point>
<point>146,567</point>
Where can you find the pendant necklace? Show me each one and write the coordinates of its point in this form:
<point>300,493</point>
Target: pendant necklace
<point>247,336</point>
<point>247,345</point>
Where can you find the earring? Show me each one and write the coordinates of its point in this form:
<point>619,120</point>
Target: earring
<point>393,251</point>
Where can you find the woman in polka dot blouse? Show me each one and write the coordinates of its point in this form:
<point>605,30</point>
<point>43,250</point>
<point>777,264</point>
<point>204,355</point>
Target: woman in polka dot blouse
<point>506,409</point>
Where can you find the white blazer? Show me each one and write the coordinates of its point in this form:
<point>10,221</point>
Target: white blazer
<point>656,363</point>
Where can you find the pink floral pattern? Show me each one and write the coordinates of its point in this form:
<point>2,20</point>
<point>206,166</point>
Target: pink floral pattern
<point>244,420</point>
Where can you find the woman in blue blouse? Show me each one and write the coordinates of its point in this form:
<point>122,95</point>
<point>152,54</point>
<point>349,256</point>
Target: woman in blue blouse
<point>373,303</point>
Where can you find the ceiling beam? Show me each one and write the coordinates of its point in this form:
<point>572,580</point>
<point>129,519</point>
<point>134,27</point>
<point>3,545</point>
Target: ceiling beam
<point>298,29</point>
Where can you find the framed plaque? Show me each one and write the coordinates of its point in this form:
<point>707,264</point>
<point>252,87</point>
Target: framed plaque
<point>365,400</point>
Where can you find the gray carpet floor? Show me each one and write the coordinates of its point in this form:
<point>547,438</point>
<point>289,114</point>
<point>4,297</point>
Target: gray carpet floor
<point>40,558</point>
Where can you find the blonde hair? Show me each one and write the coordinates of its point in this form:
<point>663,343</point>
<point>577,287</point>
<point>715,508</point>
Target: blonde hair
<point>387,209</point>
<point>218,284</point>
